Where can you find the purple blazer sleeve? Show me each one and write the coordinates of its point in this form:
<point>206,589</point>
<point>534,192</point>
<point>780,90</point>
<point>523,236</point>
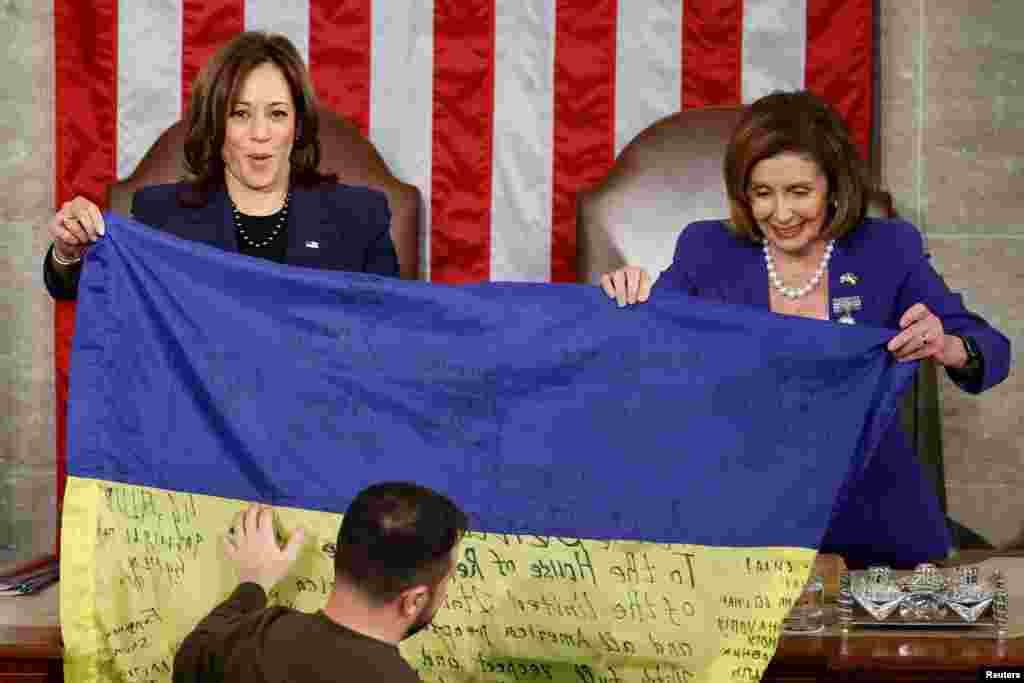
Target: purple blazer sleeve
<point>922,284</point>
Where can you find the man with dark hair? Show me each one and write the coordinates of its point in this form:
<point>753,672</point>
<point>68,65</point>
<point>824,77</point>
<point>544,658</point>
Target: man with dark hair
<point>395,554</point>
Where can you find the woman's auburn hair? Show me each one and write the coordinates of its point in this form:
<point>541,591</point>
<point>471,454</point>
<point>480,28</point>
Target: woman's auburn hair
<point>216,90</point>
<point>804,124</point>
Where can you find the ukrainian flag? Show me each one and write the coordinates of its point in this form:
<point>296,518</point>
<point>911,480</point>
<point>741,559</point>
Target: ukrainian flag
<point>647,487</point>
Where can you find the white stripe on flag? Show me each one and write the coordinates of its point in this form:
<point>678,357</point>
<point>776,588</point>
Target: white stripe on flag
<point>774,46</point>
<point>148,76</point>
<point>524,59</point>
<point>287,17</point>
<point>402,99</point>
<point>648,69</point>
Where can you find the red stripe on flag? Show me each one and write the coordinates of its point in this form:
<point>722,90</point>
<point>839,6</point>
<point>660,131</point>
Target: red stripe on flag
<point>86,155</point>
<point>63,332</point>
<point>339,57</point>
<point>584,126</point>
<point>206,26</point>
<point>462,146</point>
<point>712,53</point>
<point>86,97</point>
<point>840,61</point>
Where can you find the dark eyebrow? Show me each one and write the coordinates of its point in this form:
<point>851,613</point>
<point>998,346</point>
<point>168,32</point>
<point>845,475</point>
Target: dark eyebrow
<point>269,104</point>
<point>800,184</point>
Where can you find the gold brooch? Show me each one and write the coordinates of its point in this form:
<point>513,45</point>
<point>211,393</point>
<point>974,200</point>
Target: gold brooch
<point>848,279</point>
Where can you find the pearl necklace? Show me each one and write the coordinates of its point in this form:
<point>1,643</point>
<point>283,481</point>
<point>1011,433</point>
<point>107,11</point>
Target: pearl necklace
<point>278,227</point>
<point>796,292</point>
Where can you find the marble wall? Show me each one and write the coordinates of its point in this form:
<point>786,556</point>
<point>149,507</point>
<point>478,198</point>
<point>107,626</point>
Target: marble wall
<point>27,483</point>
<point>952,153</point>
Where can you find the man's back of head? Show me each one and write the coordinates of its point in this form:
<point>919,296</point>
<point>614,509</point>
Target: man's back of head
<point>395,554</point>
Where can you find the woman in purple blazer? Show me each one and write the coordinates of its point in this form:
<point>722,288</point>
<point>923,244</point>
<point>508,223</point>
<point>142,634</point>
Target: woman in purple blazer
<point>798,242</point>
<point>252,183</point>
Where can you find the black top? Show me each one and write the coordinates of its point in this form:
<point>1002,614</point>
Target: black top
<point>243,640</point>
<point>259,230</point>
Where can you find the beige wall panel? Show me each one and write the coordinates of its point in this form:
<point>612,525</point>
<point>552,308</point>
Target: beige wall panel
<point>27,481</point>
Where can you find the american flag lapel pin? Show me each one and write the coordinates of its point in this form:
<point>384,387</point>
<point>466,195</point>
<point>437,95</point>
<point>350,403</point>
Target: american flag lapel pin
<point>312,244</point>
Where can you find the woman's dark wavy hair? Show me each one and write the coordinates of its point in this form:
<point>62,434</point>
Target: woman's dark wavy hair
<point>804,124</point>
<point>216,90</point>
<point>397,535</point>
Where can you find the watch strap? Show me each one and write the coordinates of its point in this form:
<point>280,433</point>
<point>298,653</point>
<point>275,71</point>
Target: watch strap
<point>973,354</point>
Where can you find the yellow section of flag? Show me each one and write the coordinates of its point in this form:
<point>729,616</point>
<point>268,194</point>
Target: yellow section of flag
<point>142,565</point>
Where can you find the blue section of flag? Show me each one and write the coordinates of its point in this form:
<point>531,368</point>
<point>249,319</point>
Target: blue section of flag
<point>540,408</point>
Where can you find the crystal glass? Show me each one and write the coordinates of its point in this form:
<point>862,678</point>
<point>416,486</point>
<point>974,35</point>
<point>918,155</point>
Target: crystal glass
<point>880,586</point>
<point>926,595</point>
<point>968,589</point>
<point>807,614</point>
<point>922,607</point>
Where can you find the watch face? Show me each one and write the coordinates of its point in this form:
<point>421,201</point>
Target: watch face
<point>971,348</point>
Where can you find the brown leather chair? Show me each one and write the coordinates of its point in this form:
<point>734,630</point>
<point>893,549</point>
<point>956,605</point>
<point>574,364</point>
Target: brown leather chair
<point>344,151</point>
<point>670,175</point>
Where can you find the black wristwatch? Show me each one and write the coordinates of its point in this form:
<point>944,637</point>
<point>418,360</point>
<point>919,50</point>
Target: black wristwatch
<point>973,354</point>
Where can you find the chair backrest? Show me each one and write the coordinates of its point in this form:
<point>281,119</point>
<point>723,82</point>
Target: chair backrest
<point>344,150</point>
<point>668,176</point>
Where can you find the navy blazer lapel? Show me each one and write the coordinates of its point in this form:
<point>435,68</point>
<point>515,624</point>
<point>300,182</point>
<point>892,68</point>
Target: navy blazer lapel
<point>306,212</point>
<point>216,216</point>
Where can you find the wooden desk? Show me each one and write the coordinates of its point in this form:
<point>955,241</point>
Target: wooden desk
<point>894,657</point>
<point>30,651</point>
<point>30,643</point>
<point>888,658</point>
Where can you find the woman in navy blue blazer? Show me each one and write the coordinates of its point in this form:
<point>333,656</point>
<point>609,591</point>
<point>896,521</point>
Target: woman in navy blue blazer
<point>251,185</point>
<point>798,242</point>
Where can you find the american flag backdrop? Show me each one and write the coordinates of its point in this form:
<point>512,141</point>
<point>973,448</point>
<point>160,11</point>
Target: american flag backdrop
<point>499,111</point>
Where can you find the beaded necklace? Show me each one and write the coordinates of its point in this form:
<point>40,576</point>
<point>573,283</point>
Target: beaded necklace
<point>796,292</point>
<point>282,219</point>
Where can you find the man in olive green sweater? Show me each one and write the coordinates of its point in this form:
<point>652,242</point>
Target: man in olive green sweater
<point>395,555</point>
